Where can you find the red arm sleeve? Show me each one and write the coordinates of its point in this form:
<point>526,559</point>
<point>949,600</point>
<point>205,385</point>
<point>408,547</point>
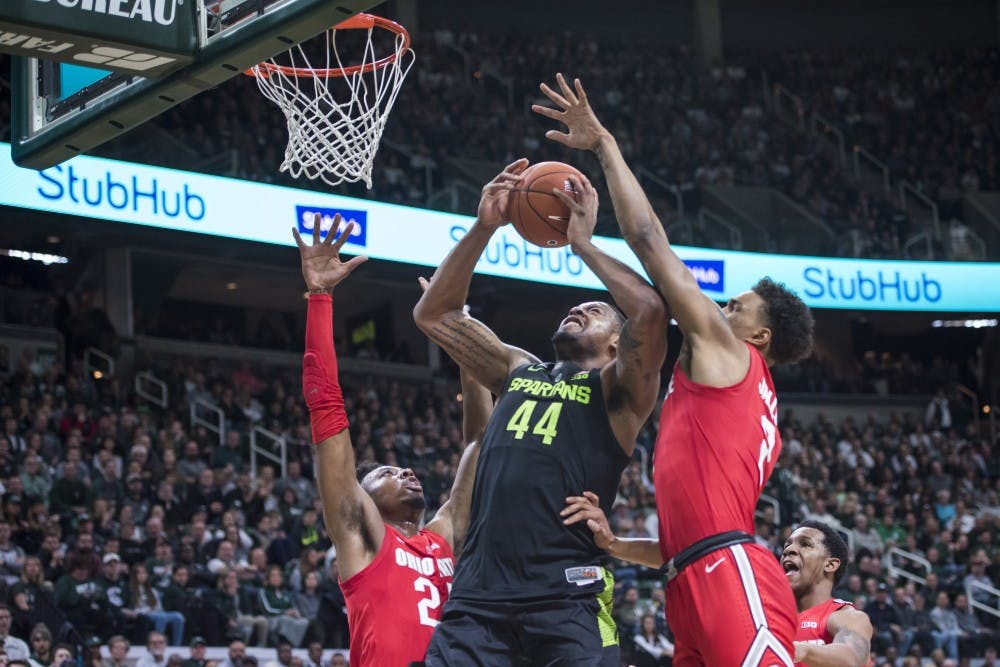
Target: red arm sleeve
<point>320,384</point>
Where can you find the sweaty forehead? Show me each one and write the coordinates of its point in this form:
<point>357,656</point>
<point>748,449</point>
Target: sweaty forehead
<point>377,472</point>
<point>806,533</point>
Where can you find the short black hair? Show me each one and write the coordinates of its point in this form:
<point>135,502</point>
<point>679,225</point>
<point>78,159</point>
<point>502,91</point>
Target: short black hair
<point>364,468</point>
<point>834,543</point>
<point>790,320</point>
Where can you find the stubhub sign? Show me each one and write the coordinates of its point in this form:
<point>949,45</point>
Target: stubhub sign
<point>305,217</point>
<point>229,208</point>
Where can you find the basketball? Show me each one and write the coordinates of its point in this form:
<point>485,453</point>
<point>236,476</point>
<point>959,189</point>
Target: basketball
<point>538,215</point>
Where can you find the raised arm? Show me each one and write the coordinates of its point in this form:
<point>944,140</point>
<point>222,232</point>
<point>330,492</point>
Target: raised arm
<point>639,550</point>
<point>350,515</point>
<point>631,382</point>
<point>699,317</point>
<point>440,312</point>
<point>852,636</point>
<point>452,520</point>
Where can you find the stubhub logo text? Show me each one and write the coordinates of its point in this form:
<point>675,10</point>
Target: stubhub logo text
<point>871,286</point>
<point>307,214</point>
<point>120,192</point>
<point>710,273</point>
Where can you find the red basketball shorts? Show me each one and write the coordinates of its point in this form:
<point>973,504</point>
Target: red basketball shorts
<point>732,608</point>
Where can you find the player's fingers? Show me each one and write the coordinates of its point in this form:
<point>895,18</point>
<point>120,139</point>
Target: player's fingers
<point>554,96</point>
<point>566,90</point>
<point>316,223</point>
<point>592,497</point>
<point>496,188</point>
<point>355,262</point>
<point>332,234</point>
<point>298,238</point>
<point>515,167</point>
<point>558,137</point>
<point>344,235</point>
<point>423,282</point>
<point>506,177</point>
<point>580,92</point>
<point>548,112</point>
<point>566,199</point>
<point>577,517</point>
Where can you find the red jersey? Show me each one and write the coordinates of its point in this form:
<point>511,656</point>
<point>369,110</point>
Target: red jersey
<point>813,623</point>
<point>394,604</point>
<point>715,450</point>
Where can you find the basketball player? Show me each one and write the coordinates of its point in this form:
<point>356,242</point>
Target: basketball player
<point>395,575</point>
<point>831,632</point>
<point>718,439</point>
<point>526,584</point>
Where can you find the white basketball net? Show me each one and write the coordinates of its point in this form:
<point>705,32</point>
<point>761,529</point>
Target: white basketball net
<point>330,140</point>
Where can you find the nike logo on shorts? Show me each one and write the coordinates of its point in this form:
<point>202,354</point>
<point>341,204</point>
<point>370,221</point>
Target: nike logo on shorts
<point>709,568</point>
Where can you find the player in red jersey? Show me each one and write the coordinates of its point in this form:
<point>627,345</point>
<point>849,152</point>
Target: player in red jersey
<point>832,633</point>
<point>718,439</point>
<point>395,575</point>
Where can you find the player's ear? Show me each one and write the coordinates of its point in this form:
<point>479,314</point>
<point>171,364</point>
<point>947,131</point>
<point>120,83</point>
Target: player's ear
<point>832,564</point>
<point>760,337</point>
<point>613,344</point>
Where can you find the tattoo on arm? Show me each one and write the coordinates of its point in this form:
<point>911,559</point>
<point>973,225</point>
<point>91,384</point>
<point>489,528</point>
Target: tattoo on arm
<point>474,347</point>
<point>857,643</point>
<point>630,356</point>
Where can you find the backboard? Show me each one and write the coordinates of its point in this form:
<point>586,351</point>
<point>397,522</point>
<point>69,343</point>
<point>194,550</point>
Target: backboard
<point>109,85</point>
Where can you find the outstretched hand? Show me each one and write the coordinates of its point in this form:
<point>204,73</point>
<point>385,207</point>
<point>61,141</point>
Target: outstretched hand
<point>584,130</point>
<point>582,210</point>
<point>322,267</point>
<point>493,204</point>
<point>588,508</point>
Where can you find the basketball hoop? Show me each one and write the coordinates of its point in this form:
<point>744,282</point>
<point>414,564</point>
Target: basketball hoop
<point>333,140</point>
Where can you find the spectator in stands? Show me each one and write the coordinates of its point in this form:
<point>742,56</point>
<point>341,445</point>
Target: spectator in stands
<point>63,656</point>
<point>92,652</point>
<point>15,648</point>
<point>338,660</point>
<point>235,654</point>
<point>69,494</point>
<point>948,630</point>
<point>184,599</point>
<point>11,556</point>
<point>977,574</point>
<point>34,478</point>
<point>866,537</point>
<point>225,559</point>
<point>314,657</point>
<point>652,648</point>
<point>238,608</point>
<point>332,608</point>
<point>80,597</point>
<point>145,599</point>
<point>118,648</point>
<point>156,651</point>
<point>197,657</point>
<point>885,619</point>
<point>307,603</point>
<point>283,655</point>
<point>107,485</point>
<point>976,636</point>
<point>283,619</point>
<point>304,488</point>
<point>40,641</point>
<point>191,465</point>
<point>230,454</point>
<point>27,593</point>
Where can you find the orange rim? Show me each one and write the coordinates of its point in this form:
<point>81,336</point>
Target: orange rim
<point>356,22</point>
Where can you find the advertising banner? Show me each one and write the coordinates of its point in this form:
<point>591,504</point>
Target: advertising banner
<point>230,208</point>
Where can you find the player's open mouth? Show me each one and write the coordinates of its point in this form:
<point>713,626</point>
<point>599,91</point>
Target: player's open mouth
<point>573,319</point>
<point>789,566</point>
<point>414,485</point>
